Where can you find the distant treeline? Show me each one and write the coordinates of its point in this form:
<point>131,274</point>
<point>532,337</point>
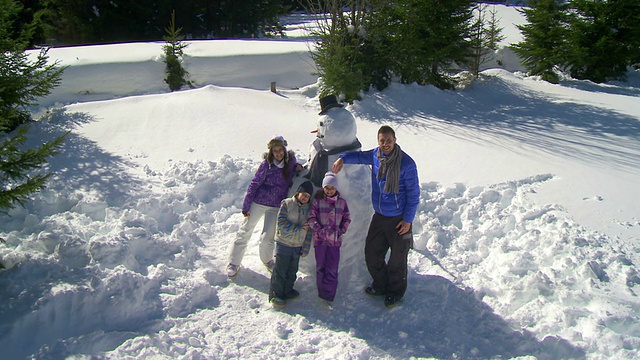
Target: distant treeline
<point>72,22</point>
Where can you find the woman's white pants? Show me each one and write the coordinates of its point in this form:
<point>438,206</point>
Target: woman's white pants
<point>266,242</point>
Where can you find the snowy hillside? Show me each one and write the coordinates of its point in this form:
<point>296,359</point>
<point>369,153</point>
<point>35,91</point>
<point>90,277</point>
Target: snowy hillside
<point>527,235</point>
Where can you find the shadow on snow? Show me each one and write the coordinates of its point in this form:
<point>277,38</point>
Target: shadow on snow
<point>435,319</point>
<point>82,164</point>
<point>506,114</point>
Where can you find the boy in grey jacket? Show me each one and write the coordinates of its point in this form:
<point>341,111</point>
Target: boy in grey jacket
<point>293,240</point>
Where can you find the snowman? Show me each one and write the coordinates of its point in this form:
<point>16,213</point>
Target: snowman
<point>336,133</point>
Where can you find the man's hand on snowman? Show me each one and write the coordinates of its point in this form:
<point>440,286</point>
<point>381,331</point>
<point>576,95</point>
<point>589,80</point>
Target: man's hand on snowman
<point>299,167</point>
<point>337,166</point>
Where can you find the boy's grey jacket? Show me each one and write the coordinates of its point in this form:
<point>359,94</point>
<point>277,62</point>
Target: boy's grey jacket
<point>291,216</point>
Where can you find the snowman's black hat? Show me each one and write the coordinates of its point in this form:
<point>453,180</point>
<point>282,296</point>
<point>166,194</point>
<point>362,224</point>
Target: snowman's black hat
<point>328,102</point>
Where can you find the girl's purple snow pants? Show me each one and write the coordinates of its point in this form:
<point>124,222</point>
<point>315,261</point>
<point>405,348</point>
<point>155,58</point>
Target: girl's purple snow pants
<point>327,261</point>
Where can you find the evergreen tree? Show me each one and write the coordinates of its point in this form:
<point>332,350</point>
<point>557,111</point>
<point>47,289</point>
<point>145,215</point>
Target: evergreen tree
<point>342,52</point>
<point>416,40</point>
<point>376,58</point>
<point>68,22</point>
<point>485,36</point>
<point>16,165</point>
<point>173,53</point>
<point>15,33</point>
<point>21,82</point>
<point>603,39</point>
<point>625,19</point>
<point>23,23</point>
<point>544,36</point>
<point>428,38</point>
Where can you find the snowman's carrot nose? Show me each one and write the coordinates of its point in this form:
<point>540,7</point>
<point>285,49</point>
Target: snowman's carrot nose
<point>314,131</point>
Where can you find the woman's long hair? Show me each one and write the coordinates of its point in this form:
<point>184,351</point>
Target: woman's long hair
<point>287,157</point>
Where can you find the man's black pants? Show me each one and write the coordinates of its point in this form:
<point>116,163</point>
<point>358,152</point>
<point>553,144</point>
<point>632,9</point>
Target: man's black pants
<point>390,277</point>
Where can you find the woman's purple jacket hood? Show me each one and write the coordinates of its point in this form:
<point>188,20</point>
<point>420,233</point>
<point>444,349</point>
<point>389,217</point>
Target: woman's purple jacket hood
<point>269,186</point>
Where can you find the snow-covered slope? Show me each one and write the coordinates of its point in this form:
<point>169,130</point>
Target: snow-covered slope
<point>527,234</point>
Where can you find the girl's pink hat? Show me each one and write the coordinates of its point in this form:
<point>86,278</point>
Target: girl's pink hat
<point>330,179</point>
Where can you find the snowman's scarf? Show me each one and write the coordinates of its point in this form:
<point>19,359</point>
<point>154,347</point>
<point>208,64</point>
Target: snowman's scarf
<point>390,167</point>
<point>320,163</point>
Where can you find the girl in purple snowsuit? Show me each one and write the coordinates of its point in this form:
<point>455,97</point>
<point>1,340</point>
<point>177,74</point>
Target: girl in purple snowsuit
<point>329,219</point>
<point>268,188</point>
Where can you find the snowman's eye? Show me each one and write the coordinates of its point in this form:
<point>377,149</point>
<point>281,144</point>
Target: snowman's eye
<point>321,123</point>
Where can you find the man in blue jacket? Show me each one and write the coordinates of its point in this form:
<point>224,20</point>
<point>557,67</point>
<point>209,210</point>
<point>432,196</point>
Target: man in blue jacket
<point>395,194</point>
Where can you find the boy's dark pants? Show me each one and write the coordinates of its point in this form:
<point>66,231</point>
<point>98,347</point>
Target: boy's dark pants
<point>284,273</point>
<point>390,278</point>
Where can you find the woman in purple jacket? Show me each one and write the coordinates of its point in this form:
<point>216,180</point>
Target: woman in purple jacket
<point>267,189</point>
<point>329,218</point>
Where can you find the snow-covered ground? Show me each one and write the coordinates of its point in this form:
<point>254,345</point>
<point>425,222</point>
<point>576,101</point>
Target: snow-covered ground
<point>527,235</point>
